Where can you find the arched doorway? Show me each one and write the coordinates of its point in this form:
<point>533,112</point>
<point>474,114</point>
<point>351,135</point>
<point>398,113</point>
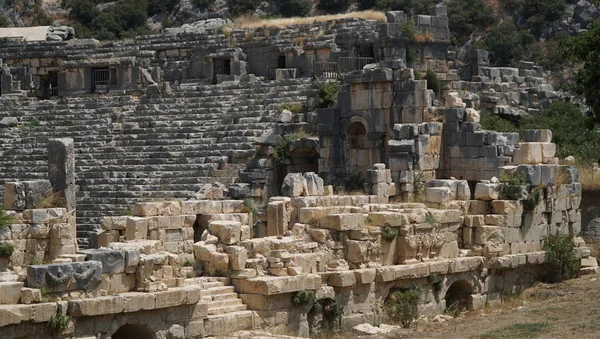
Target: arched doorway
<point>137,331</point>
<point>358,146</point>
<point>457,296</point>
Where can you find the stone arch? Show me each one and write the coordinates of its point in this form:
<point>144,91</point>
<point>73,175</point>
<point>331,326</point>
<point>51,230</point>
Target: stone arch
<point>138,331</point>
<point>357,145</point>
<point>458,294</point>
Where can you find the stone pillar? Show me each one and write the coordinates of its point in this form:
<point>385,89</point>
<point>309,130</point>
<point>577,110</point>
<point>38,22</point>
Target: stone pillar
<point>61,170</point>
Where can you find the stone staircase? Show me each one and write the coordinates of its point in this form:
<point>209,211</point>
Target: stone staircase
<point>132,149</point>
<point>226,312</point>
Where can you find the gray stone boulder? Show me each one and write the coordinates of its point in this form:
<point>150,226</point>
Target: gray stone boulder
<point>314,184</point>
<point>294,185</point>
<point>112,261</point>
<point>65,277</point>
<point>9,122</point>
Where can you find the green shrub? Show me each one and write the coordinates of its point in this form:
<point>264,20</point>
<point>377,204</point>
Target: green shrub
<point>493,122</point>
<point>429,218</point>
<point>5,21</point>
<point>303,297</point>
<point>466,16</point>
<point>433,83</point>
<point>573,133</point>
<point>407,28</point>
<point>389,233</point>
<point>513,182</point>
<point>561,258</point>
<point>408,6</point>
<point>188,263</point>
<point>6,250</point>
<point>333,6</point>
<point>410,57</point>
<point>59,323</point>
<point>533,199</point>
<point>5,219</point>
<point>453,309</point>
<point>540,14</point>
<point>239,7</point>
<point>332,310</point>
<point>202,5</point>
<point>281,152</point>
<point>291,8</point>
<point>327,95</point>
<point>403,305</point>
<point>347,182</point>
<point>507,44</point>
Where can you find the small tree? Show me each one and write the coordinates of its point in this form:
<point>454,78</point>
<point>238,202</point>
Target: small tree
<point>561,260</point>
<point>333,6</point>
<point>403,305</point>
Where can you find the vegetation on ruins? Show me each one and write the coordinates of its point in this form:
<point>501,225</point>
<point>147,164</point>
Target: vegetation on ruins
<point>435,281</point>
<point>507,44</point>
<point>512,181</point>
<point>281,152</point>
<point>419,186</point>
<point>429,218</point>
<point>303,297</point>
<point>453,309</point>
<point>347,182</point>
<point>254,207</point>
<point>333,6</point>
<point>573,133</point>
<point>403,305</point>
<point>6,250</point>
<point>467,16</point>
<point>433,83</point>
<point>59,323</point>
<point>389,233</point>
<point>584,49</point>
<point>533,199</point>
<point>5,219</point>
<point>327,94</point>
<point>561,259</point>
<point>294,108</point>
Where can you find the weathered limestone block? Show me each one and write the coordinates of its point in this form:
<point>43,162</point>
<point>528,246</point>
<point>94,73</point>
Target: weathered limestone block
<point>407,248</point>
<point>137,228</point>
<point>438,194</point>
<point>237,257</point>
<point>65,277</point>
<point>202,251</point>
<point>277,285</point>
<point>96,306</point>
<point>218,263</point>
<point>10,292</point>
<point>112,261</point>
<point>528,153</point>
<point>114,223</point>
<point>538,135</point>
<point>342,222</point>
<point>278,216</point>
<point>61,170</point>
<point>294,185</point>
<point>31,295</point>
<point>228,232</point>
<point>25,194</point>
<point>393,219</point>
<point>342,279</point>
<point>146,209</point>
<point>487,191</point>
<point>314,184</point>
<point>357,251</point>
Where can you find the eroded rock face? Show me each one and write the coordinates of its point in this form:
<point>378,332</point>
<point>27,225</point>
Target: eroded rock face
<point>60,33</point>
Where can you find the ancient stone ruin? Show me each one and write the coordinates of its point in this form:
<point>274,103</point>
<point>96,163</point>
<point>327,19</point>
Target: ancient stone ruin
<point>192,184</point>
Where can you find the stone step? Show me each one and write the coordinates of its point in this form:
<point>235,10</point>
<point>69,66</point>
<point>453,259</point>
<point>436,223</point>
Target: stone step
<point>225,296</point>
<point>219,290</point>
<point>227,309</point>
<point>221,324</point>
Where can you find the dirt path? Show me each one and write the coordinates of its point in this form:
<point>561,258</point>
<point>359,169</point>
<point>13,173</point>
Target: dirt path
<point>566,310</point>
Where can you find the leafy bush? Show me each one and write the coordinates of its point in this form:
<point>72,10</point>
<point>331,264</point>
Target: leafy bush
<point>584,49</point>
<point>202,5</point>
<point>389,233</point>
<point>5,219</point>
<point>347,182</point>
<point>59,323</point>
<point>333,6</point>
<point>539,14</point>
<point>239,7</point>
<point>465,16</point>
<point>294,108</point>
<point>303,297</point>
<point>453,309</point>
<point>6,250</point>
<point>573,133</point>
<point>513,182</point>
<point>290,8</point>
<point>435,281</point>
<point>561,259</point>
<point>403,305</point>
<point>282,152</point>
<point>433,83</point>
<point>126,18</point>
<point>533,199</point>
<point>332,310</point>
<point>507,44</point>
<point>327,95</point>
<point>5,21</point>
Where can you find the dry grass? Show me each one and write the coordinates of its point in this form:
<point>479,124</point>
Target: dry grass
<point>249,35</point>
<point>51,201</point>
<point>423,37</point>
<point>253,22</point>
<point>589,178</point>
